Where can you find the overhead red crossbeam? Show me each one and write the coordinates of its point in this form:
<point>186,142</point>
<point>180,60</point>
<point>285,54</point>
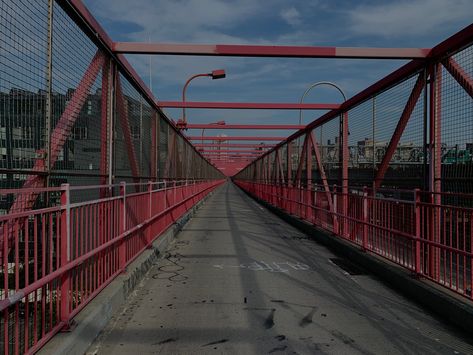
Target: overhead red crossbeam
<point>239,138</point>
<point>235,50</point>
<point>246,105</point>
<point>218,151</point>
<point>244,126</point>
<point>236,145</point>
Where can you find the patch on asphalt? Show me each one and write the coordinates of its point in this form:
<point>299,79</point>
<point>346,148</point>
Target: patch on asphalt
<point>169,340</point>
<point>308,318</point>
<point>347,266</point>
<point>269,322</point>
<point>221,341</point>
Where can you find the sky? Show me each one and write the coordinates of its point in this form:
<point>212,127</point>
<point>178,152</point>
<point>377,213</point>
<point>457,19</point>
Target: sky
<point>344,23</point>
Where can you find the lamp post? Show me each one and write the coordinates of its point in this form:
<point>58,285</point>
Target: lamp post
<point>343,131</point>
<point>214,74</point>
<point>218,123</point>
<point>318,84</point>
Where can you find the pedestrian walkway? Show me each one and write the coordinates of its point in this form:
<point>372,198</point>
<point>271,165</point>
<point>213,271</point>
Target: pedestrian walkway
<point>238,280</point>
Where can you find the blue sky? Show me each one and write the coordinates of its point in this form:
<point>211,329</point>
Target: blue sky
<point>414,23</point>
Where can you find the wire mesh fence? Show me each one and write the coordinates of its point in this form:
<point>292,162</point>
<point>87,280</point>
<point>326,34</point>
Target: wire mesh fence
<point>68,114</point>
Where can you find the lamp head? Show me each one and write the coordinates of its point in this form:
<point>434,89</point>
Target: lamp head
<point>218,74</point>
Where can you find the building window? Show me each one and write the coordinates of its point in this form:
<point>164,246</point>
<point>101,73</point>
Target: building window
<point>135,132</point>
<point>79,132</point>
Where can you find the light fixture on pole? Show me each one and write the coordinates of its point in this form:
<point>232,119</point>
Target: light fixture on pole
<point>218,123</point>
<point>318,84</point>
<point>214,74</point>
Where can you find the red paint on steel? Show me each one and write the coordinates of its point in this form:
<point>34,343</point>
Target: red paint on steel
<point>460,75</point>
<point>122,109</point>
<point>154,146</point>
<point>238,138</point>
<point>246,105</point>
<point>402,123</point>
<point>236,145</point>
<point>219,151</point>
<point>104,124</point>
<point>58,137</point>
<point>86,21</point>
<point>83,253</point>
<point>321,169</point>
<point>243,126</point>
<point>393,227</point>
<point>268,51</point>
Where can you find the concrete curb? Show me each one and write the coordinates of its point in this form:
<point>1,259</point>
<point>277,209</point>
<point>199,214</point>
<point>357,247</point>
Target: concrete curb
<point>446,305</point>
<point>96,315</point>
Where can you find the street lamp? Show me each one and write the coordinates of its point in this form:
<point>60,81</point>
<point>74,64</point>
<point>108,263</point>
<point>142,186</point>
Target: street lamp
<point>214,74</point>
<point>318,84</point>
<point>307,91</point>
<point>218,123</point>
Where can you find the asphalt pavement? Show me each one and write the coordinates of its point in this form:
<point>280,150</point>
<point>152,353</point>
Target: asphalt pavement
<point>239,280</point>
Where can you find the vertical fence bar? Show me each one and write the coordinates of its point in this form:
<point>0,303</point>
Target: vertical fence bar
<point>365,219</point>
<point>417,212</point>
<point>122,227</point>
<point>344,173</point>
<point>336,226</point>
<point>149,234</point>
<point>49,89</point>
<point>65,255</point>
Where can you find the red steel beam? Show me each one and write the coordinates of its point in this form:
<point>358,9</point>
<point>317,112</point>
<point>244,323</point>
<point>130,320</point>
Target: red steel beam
<point>104,126</point>
<point>59,136</point>
<point>460,75</point>
<point>239,138</point>
<point>122,109</point>
<point>231,151</point>
<point>401,125</point>
<point>246,105</point>
<point>323,176</point>
<point>62,131</point>
<point>268,51</point>
<point>244,126</point>
<point>225,145</point>
<point>451,44</point>
<point>154,146</point>
<point>87,23</point>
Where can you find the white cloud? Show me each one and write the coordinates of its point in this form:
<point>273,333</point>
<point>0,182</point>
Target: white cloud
<point>408,17</point>
<point>178,20</point>
<point>291,16</point>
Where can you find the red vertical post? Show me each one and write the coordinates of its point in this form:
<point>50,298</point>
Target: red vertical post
<point>336,227</point>
<point>104,126</point>
<point>309,179</point>
<point>417,213</point>
<point>154,145</point>
<point>122,223</point>
<point>149,227</point>
<point>289,176</point>
<point>365,218</point>
<point>435,165</point>
<point>344,182</point>
<point>65,255</point>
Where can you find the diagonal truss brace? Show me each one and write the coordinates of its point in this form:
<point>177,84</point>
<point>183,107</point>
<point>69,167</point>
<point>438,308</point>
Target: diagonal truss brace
<point>460,75</point>
<point>59,136</point>
<point>401,125</point>
<point>61,132</point>
<point>323,176</point>
<point>125,123</point>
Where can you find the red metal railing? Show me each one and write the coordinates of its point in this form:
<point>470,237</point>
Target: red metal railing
<point>433,240</point>
<point>59,258</point>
